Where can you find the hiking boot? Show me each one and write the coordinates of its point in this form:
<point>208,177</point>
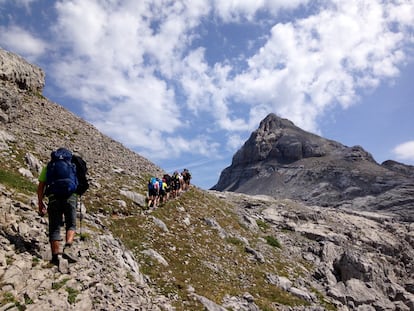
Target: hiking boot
<point>69,254</point>
<point>54,261</point>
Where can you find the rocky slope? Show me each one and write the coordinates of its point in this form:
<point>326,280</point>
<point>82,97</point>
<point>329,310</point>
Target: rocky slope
<point>206,250</point>
<point>281,160</point>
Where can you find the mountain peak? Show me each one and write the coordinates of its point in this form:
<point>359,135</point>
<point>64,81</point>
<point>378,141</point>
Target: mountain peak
<point>282,160</point>
<point>272,122</point>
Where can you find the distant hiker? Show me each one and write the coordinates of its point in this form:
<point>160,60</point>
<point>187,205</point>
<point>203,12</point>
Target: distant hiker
<point>59,181</point>
<point>163,190</point>
<point>186,178</point>
<point>175,184</point>
<point>167,179</point>
<point>153,192</point>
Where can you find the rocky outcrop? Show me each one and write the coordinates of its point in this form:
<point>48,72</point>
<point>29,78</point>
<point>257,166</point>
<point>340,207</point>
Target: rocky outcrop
<point>360,260</point>
<point>18,71</point>
<point>283,161</point>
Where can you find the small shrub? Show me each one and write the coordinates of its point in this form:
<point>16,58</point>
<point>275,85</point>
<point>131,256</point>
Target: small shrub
<point>262,224</point>
<point>234,241</point>
<point>7,298</point>
<point>272,241</point>
<point>84,236</point>
<point>60,284</point>
<point>72,294</point>
<point>27,300</point>
<point>35,261</point>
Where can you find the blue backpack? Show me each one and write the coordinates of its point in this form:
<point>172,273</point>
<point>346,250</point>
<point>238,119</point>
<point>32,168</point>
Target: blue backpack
<point>61,180</point>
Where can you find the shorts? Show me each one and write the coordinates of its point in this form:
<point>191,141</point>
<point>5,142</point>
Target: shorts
<point>57,208</point>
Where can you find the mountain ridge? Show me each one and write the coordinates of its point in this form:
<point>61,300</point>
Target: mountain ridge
<point>284,161</point>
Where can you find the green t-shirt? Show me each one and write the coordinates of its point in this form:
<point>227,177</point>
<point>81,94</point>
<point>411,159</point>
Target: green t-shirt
<point>42,176</point>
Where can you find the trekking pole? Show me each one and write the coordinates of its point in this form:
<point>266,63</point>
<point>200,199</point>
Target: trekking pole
<point>80,218</point>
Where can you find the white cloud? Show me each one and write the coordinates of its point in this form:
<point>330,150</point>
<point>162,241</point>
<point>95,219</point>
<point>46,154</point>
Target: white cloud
<point>312,64</point>
<point>405,151</point>
<point>134,65</point>
<point>237,10</point>
<point>124,66</point>
<point>22,42</point>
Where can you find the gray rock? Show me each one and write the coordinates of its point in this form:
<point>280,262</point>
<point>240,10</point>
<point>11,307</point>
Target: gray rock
<point>257,255</point>
<point>134,196</point>
<point>214,224</point>
<point>160,224</point>
<point>208,304</point>
<point>279,281</point>
<point>155,255</point>
<point>15,69</point>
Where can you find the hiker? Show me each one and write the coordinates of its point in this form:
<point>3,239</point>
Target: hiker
<point>167,179</point>
<point>175,184</point>
<point>58,181</point>
<point>153,192</point>
<point>186,179</point>
<point>163,190</point>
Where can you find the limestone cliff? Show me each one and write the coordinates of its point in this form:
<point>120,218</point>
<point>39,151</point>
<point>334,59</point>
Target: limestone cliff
<point>282,160</point>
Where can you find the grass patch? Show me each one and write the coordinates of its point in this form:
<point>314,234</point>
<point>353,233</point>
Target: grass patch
<point>262,225</point>
<point>60,284</point>
<point>9,298</point>
<point>234,241</point>
<point>272,241</point>
<point>17,181</point>
<point>198,257</point>
<point>72,294</point>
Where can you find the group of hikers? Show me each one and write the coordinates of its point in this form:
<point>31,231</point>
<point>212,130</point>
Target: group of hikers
<point>63,181</point>
<point>160,190</point>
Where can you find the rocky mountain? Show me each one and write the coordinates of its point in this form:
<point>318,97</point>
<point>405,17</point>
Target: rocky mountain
<point>281,160</point>
<point>205,250</point>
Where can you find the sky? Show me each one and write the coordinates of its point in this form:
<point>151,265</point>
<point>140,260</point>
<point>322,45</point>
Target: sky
<point>185,83</point>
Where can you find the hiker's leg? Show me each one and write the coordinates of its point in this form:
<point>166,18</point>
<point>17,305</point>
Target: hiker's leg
<point>55,247</point>
<point>70,235</point>
<point>70,218</point>
<point>55,219</point>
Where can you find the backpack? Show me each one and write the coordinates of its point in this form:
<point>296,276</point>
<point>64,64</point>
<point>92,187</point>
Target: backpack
<point>61,179</point>
<point>153,184</point>
<point>81,171</point>
<point>167,180</point>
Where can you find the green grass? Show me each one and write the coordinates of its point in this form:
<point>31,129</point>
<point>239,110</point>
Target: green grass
<point>272,241</point>
<point>199,257</point>
<point>9,298</point>
<point>72,294</point>
<point>59,284</point>
<point>262,225</point>
<point>17,181</point>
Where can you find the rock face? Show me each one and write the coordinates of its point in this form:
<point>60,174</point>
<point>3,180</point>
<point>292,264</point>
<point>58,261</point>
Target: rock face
<point>15,69</point>
<point>360,260</point>
<point>283,161</point>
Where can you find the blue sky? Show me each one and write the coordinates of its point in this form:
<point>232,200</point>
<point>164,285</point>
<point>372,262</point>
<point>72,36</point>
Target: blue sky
<point>184,83</point>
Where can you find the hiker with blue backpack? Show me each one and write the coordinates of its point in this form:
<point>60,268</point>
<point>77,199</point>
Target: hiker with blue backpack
<point>153,192</point>
<point>62,181</point>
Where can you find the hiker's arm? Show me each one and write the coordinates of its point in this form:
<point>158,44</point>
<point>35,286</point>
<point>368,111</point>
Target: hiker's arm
<point>40,195</point>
